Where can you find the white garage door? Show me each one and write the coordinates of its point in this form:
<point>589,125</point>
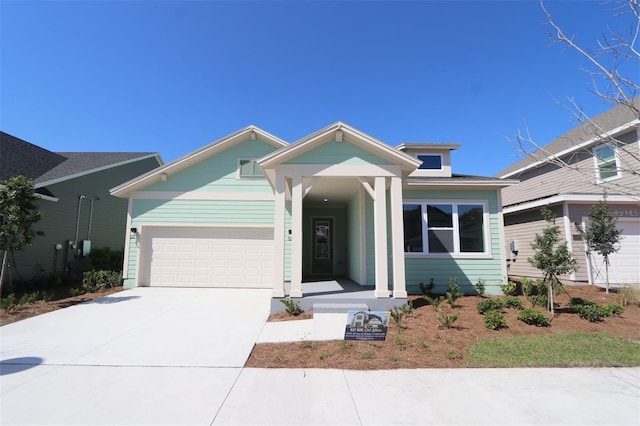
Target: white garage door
<point>209,257</point>
<point>624,266</point>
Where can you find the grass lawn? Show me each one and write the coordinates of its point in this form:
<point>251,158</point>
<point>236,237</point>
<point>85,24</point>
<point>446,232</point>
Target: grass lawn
<point>555,350</point>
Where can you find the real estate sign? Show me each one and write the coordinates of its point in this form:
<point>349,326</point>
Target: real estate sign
<point>367,325</point>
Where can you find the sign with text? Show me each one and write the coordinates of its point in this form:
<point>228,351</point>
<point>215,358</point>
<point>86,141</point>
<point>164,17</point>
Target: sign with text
<point>367,325</point>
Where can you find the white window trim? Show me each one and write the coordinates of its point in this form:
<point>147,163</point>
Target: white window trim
<point>239,175</point>
<point>432,154</point>
<point>597,166</point>
<point>487,254</point>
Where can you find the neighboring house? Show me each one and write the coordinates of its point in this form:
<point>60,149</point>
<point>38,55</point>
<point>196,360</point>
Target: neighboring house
<point>602,155</point>
<point>250,210</point>
<point>73,196</point>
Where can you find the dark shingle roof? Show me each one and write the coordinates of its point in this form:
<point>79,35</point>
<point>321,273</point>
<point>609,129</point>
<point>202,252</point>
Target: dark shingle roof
<point>18,157</point>
<point>615,117</point>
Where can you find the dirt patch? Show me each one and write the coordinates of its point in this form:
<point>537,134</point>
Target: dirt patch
<point>59,299</point>
<point>424,343</point>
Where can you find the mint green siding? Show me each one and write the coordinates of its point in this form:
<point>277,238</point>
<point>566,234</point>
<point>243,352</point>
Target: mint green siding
<point>337,153</point>
<point>467,271</point>
<point>220,172</point>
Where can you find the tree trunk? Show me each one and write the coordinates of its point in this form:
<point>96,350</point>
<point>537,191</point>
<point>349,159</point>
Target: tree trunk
<point>4,265</point>
<point>606,269</point>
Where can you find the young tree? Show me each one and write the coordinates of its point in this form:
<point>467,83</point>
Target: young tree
<point>18,213</point>
<point>551,257</point>
<point>613,66</point>
<point>601,234</point>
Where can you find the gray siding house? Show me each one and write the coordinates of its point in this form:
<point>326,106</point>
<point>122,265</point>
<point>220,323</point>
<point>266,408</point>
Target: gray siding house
<point>600,156</point>
<point>78,213</point>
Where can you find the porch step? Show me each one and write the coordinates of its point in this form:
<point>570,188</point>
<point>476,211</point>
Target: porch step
<point>338,308</point>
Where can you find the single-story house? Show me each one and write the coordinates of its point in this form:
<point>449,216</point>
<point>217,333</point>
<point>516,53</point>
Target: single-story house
<point>78,212</point>
<point>599,156</point>
<point>251,210</point>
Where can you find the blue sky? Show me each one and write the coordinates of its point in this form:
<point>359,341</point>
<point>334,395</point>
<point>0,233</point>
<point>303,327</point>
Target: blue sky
<point>170,77</point>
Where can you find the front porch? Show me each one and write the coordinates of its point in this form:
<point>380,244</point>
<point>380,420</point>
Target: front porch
<point>339,294</point>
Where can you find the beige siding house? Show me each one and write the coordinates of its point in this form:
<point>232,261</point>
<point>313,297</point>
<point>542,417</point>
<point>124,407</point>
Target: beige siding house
<point>569,176</point>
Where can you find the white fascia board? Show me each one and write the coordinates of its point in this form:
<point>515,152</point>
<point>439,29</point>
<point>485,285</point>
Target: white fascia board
<point>609,134</point>
<point>97,169</point>
<point>472,183</point>
<point>46,197</point>
<point>323,135</point>
<point>571,198</point>
<point>435,146</point>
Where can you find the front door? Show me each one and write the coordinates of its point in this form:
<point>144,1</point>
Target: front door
<point>322,261</point>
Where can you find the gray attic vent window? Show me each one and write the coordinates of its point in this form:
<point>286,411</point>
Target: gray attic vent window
<point>250,169</point>
<point>430,162</point>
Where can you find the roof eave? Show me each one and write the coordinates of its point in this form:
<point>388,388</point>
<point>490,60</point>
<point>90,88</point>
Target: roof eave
<point>592,141</point>
<point>208,150</point>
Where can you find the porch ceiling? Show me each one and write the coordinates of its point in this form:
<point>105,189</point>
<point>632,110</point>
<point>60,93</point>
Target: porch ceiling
<point>334,190</point>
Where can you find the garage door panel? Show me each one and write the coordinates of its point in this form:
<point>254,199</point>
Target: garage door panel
<point>210,257</point>
<point>624,266</point>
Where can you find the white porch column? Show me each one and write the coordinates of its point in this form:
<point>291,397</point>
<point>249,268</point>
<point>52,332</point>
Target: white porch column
<point>380,237</point>
<point>278,237</point>
<point>397,238</point>
<point>296,236</point>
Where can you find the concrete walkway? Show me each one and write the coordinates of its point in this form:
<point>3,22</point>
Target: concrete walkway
<point>175,356</point>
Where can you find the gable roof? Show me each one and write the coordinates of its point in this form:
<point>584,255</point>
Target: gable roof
<point>43,167</point>
<point>340,131</point>
<point>249,132</point>
<point>609,124</point>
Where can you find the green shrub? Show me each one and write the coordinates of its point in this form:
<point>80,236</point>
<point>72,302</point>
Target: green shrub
<point>592,313</point>
<point>613,310</point>
<point>397,314</point>
<point>510,288</point>
<point>494,320</point>
<point>434,301</point>
<point>427,288</point>
<point>533,317</point>
<point>75,291</point>
<point>453,292</point>
<point>106,259</point>
<point>480,287</point>
<point>292,307</point>
<point>446,320</point>
<point>489,305</point>
<point>8,303</point>
<point>513,302</point>
<point>28,298</point>
<point>94,281</point>
<point>528,289</point>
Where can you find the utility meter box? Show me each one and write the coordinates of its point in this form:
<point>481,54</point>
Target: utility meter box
<point>86,248</point>
<point>513,246</point>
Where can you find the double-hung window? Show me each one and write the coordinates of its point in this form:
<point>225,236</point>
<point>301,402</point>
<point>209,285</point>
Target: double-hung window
<point>248,168</point>
<point>606,162</point>
<point>446,228</point>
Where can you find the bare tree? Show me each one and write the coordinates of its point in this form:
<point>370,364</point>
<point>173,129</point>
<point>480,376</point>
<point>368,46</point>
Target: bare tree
<point>613,66</point>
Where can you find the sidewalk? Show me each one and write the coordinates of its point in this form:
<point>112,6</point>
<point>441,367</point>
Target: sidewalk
<point>174,357</point>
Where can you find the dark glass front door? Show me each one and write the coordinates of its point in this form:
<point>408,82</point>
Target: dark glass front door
<point>322,262</point>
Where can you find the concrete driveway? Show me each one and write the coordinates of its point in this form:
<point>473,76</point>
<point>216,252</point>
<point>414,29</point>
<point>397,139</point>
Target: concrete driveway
<point>141,356</point>
<point>174,357</point>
